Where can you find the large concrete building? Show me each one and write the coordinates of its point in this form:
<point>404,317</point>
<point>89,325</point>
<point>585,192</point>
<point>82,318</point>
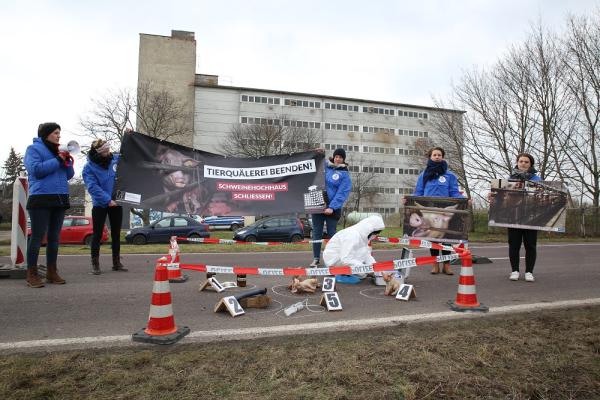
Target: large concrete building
<point>380,138</point>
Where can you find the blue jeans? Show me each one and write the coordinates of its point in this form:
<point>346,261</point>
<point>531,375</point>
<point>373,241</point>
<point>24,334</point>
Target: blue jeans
<point>318,222</point>
<point>44,220</point>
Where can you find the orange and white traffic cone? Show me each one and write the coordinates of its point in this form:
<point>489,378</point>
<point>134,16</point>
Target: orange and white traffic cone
<point>175,275</point>
<point>161,327</point>
<point>466,297</point>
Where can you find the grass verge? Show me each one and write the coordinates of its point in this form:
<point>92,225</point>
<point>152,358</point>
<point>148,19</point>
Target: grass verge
<point>552,354</point>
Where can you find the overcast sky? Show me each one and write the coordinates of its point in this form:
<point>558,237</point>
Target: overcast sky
<point>57,55</point>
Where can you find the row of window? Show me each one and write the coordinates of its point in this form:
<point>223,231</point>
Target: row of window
<point>334,127</point>
<point>347,147</point>
<point>300,103</point>
<point>332,106</point>
<point>388,190</point>
<point>341,127</point>
<point>261,99</point>
<point>374,149</point>
<point>277,122</point>
<point>380,210</point>
<point>386,170</point>
<point>405,132</point>
<point>300,146</point>
<point>341,107</point>
<point>379,150</point>
<point>379,110</point>
<point>412,114</point>
<point>375,129</point>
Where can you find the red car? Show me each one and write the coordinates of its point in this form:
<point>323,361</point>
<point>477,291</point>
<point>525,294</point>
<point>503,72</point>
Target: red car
<point>77,230</point>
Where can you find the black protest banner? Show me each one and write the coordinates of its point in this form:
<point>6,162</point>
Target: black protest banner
<point>164,176</point>
<point>438,219</point>
<point>537,205</point>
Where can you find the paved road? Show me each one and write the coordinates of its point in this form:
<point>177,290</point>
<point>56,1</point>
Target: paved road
<point>118,303</point>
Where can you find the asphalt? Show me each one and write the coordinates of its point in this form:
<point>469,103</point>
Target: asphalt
<point>116,304</point>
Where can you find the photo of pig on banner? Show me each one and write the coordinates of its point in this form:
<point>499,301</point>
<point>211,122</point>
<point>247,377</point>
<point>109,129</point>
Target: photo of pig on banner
<point>437,219</point>
<point>536,205</point>
<point>164,176</point>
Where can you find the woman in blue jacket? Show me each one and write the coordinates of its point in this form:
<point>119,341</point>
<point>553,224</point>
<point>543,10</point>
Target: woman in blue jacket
<point>523,171</point>
<point>338,185</point>
<point>48,172</point>
<point>438,181</point>
<point>99,176</point>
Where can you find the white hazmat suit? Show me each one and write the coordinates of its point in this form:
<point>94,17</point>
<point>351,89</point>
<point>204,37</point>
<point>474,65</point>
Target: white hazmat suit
<point>350,246</point>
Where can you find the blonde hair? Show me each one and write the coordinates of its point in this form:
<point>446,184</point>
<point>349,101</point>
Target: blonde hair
<point>98,143</point>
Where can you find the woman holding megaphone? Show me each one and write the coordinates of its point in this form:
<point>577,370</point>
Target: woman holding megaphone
<point>48,200</point>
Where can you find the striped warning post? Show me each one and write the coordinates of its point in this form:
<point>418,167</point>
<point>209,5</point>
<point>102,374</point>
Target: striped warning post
<point>466,297</point>
<point>161,327</point>
<point>175,275</point>
<point>18,239</point>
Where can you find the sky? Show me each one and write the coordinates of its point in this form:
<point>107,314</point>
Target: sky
<point>59,55</point>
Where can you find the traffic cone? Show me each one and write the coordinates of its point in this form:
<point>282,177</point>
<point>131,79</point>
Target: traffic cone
<point>175,275</point>
<point>161,327</point>
<point>466,297</point>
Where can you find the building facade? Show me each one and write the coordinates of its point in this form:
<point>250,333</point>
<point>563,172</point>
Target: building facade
<point>381,139</point>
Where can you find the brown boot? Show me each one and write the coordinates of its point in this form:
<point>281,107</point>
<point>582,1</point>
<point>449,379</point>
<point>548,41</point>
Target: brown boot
<point>52,275</point>
<point>436,268</point>
<point>117,266</point>
<point>95,265</point>
<point>33,279</point>
<point>447,270</point>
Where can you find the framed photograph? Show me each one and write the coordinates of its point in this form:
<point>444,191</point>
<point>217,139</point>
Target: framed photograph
<point>533,205</point>
<point>437,219</point>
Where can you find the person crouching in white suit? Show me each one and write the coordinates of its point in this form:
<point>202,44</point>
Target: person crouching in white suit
<point>350,246</point>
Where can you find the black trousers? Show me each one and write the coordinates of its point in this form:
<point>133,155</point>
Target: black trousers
<point>529,239</point>
<point>115,218</point>
<point>436,252</point>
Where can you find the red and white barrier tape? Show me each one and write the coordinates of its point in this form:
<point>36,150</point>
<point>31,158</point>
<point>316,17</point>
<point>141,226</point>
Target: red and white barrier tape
<point>402,241</point>
<point>230,241</point>
<point>336,270</point>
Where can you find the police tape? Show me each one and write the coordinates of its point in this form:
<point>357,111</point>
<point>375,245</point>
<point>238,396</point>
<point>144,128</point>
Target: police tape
<point>421,243</point>
<point>230,241</point>
<point>335,270</point>
<point>417,243</point>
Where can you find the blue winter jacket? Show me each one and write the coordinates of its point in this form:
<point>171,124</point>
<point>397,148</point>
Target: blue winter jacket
<point>444,186</point>
<point>47,173</point>
<point>338,184</point>
<point>99,181</point>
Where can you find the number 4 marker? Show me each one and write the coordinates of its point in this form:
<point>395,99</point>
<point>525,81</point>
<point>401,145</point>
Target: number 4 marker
<point>406,292</point>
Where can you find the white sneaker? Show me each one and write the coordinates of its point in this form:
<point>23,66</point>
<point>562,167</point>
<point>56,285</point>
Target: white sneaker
<point>514,276</point>
<point>314,263</point>
<point>529,277</point>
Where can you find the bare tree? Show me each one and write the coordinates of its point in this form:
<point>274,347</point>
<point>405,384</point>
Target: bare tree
<point>518,105</point>
<point>158,114</point>
<point>269,136</point>
<point>110,116</point>
<point>365,186</point>
<point>582,63</point>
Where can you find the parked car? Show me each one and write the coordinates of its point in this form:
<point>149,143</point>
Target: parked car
<point>272,229</point>
<point>307,223</point>
<point>229,222</point>
<point>160,231</point>
<point>75,230</point>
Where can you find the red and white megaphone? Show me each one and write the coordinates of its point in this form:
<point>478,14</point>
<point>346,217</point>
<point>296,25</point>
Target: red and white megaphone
<point>68,149</point>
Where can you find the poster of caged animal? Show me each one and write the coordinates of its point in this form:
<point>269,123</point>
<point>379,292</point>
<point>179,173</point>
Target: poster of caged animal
<point>438,219</point>
<point>532,205</point>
